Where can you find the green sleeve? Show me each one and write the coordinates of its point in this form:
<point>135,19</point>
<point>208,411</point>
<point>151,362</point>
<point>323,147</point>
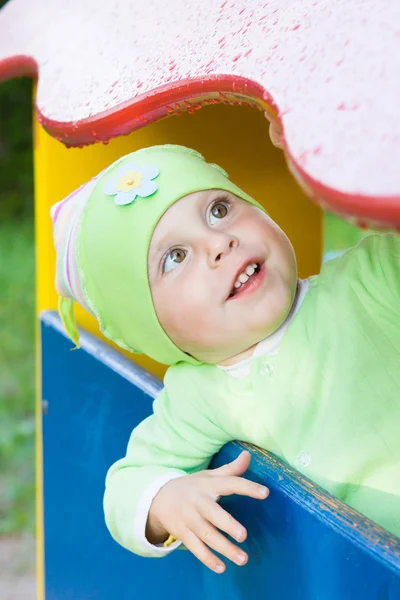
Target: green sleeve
<point>381,266</point>
<point>177,438</point>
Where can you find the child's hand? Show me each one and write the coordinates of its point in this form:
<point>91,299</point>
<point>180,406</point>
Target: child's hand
<point>187,508</point>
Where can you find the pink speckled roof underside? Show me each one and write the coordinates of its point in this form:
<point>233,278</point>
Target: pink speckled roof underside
<point>327,70</point>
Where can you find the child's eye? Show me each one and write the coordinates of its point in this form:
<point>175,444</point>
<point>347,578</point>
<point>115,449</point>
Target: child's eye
<point>173,259</point>
<point>218,211</point>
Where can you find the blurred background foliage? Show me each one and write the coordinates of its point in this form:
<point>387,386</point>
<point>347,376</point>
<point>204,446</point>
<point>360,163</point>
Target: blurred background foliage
<point>17,309</point>
<point>16,192</point>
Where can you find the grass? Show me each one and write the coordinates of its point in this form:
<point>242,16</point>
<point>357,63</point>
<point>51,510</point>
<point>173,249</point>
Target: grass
<point>17,374</point>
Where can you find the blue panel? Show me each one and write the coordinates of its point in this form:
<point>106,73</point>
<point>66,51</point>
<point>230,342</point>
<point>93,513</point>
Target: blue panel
<point>303,544</point>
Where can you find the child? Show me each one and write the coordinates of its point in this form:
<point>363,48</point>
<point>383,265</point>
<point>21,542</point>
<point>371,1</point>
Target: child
<point>177,262</point>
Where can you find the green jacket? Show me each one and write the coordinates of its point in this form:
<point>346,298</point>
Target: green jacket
<point>328,403</point>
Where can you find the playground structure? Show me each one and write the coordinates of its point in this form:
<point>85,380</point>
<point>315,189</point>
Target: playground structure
<point>316,75</point>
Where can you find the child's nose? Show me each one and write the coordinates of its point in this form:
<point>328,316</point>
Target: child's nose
<point>219,247</point>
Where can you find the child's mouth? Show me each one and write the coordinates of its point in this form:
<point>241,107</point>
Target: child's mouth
<point>247,279</point>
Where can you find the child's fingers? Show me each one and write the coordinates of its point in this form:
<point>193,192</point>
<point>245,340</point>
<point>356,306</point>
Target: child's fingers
<point>225,486</point>
<point>206,532</point>
<point>236,467</point>
<point>215,514</point>
<point>202,552</point>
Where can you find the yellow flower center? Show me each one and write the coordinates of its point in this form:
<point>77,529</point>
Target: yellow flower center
<point>130,180</point>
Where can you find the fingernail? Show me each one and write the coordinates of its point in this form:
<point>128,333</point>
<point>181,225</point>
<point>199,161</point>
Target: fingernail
<point>241,558</point>
<point>264,491</point>
<point>220,569</point>
<point>239,534</point>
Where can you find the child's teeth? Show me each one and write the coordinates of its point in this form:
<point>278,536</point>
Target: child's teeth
<point>243,277</point>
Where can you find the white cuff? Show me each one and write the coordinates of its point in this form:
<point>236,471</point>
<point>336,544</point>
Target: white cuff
<point>142,514</point>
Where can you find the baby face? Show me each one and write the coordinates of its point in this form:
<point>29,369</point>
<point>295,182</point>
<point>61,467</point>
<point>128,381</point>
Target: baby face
<point>222,275</point>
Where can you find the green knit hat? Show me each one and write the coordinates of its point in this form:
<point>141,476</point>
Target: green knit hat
<point>102,236</point>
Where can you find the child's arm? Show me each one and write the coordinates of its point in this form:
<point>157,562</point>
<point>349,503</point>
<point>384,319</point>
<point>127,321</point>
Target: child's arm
<point>374,265</point>
<point>162,477</point>
<point>387,250</point>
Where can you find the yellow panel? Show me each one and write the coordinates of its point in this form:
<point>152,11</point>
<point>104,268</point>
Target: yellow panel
<point>235,137</point>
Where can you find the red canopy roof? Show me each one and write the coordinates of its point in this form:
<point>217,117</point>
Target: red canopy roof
<point>328,69</point>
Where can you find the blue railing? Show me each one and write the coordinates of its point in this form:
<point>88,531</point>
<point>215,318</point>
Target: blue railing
<point>303,543</point>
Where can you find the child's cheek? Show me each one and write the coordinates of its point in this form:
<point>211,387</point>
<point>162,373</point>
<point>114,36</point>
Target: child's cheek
<point>197,315</point>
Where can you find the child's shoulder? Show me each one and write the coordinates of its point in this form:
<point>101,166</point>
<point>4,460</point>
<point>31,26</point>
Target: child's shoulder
<point>196,385</point>
<point>364,258</point>
<point>369,269</point>
<point>195,374</point>
<point>376,245</point>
